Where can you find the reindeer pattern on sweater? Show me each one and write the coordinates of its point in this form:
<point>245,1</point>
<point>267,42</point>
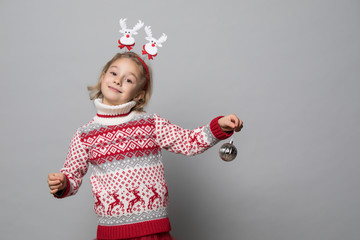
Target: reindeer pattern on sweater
<point>128,180</point>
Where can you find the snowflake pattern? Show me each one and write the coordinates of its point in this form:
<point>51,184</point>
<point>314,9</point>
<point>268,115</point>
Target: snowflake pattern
<point>128,174</point>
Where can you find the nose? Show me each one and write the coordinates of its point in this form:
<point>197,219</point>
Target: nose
<point>117,81</point>
<point>153,45</point>
<point>127,35</point>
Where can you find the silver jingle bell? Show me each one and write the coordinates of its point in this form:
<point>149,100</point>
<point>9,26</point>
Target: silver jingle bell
<point>228,151</point>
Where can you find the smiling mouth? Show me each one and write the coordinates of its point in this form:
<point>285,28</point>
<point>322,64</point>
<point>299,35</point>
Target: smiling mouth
<point>114,89</point>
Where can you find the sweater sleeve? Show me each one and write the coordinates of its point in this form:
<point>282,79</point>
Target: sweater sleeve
<point>75,167</point>
<point>188,142</point>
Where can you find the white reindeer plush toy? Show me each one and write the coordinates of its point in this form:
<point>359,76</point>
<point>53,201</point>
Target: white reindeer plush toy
<point>151,47</point>
<point>127,40</point>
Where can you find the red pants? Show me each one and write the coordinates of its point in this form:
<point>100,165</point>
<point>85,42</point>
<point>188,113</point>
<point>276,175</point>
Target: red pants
<point>158,236</point>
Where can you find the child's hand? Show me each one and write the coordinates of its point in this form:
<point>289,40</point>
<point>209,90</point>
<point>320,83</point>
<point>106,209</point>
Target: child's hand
<point>56,181</point>
<point>230,123</point>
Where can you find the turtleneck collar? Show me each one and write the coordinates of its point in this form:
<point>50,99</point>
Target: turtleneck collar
<point>108,111</point>
<point>111,115</point>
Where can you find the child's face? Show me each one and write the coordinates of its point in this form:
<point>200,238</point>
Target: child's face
<point>121,83</point>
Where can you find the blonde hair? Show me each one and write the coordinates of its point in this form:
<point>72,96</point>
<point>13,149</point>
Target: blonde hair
<point>95,90</point>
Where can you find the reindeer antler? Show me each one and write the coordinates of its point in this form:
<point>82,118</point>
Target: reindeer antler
<point>123,23</point>
<point>161,40</point>
<point>137,27</point>
<point>148,33</point>
<point>133,188</point>
<point>150,186</point>
<point>111,193</point>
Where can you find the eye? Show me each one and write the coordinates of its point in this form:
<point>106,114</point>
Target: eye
<point>113,73</point>
<point>129,81</point>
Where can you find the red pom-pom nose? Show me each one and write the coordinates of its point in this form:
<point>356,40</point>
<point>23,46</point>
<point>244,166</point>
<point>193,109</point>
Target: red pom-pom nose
<point>153,45</point>
<point>127,35</point>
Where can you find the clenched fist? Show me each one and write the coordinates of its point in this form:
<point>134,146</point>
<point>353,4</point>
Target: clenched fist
<point>56,182</point>
<point>230,123</point>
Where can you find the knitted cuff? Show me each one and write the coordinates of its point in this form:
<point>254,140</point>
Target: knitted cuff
<point>217,131</point>
<point>63,193</point>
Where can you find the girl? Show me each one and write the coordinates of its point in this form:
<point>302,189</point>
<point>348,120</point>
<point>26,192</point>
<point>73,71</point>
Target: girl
<point>123,145</point>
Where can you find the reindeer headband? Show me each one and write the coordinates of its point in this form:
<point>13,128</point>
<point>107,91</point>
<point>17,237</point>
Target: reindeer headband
<point>149,49</point>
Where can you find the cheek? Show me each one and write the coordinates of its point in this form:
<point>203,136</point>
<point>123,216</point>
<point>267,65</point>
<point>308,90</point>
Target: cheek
<point>134,91</point>
<point>104,81</point>
<point>102,86</point>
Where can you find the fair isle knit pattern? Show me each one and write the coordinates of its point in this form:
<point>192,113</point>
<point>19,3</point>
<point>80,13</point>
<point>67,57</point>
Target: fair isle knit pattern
<point>128,183</point>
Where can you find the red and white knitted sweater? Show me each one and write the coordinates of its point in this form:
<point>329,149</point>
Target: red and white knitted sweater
<point>124,149</point>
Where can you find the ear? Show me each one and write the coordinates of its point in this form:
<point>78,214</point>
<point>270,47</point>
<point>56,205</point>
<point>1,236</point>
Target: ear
<point>140,95</point>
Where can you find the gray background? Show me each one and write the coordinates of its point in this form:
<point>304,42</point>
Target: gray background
<point>289,69</point>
